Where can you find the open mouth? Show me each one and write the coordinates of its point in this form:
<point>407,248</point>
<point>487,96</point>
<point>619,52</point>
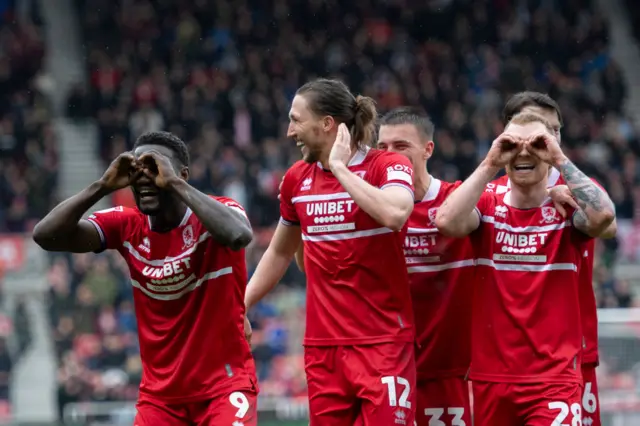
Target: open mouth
<point>147,194</point>
<point>524,167</point>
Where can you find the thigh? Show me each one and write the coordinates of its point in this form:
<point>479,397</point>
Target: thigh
<point>238,407</point>
<point>550,404</point>
<point>331,400</point>
<point>443,402</point>
<point>590,399</point>
<point>152,414</point>
<point>492,405</point>
<point>384,378</point>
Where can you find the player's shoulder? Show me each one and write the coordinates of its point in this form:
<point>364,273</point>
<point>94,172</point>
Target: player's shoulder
<point>499,185</point>
<point>118,213</point>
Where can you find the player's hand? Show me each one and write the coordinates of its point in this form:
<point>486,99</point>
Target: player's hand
<point>503,149</point>
<point>546,147</point>
<point>122,172</point>
<point>280,189</point>
<point>561,196</point>
<point>158,168</point>
<point>247,329</point>
<point>341,150</point>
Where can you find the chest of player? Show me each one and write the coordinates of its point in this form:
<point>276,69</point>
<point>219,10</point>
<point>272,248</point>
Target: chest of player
<point>538,236</point>
<point>423,243</point>
<point>323,206</point>
<point>172,257</point>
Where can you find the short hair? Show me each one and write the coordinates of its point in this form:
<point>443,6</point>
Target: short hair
<point>333,97</point>
<point>410,115</point>
<point>527,118</point>
<point>168,140</point>
<point>520,101</point>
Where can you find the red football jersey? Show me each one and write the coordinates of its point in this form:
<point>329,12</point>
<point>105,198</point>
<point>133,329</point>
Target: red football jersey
<point>189,302</point>
<point>441,275</point>
<point>357,284</point>
<point>526,317</point>
<point>588,306</point>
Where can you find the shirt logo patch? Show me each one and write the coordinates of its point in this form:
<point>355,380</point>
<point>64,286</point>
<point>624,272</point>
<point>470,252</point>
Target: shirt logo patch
<point>187,237</point>
<point>501,211</point>
<point>549,215</point>
<point>432,215</point>
<point>306,184</point>
<point>145,246</point>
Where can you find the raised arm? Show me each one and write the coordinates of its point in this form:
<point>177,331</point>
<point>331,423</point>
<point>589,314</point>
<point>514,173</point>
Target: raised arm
<point>63,229</point>
<point>390,206</point>
<point>457,217</point>
<point>274,263</point>
<point>228,226</point>
<point>597,211</point>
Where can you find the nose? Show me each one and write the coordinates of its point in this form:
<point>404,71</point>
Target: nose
<point>291,131</point>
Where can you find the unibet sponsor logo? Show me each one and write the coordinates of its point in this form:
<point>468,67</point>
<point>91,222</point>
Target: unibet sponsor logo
<point>330,207</point>
<point>329,216</point>
<point>518,244</point>
<point>168,269</point>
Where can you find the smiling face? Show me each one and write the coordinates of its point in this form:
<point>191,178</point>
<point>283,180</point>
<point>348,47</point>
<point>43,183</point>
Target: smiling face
<point>526,169</point>
<point>149,198</point>
<point>405,139</point>
<point>306,129</point>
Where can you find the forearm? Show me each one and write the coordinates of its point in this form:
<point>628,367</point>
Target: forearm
<point>597,211</point>
<point>374,201</point>
<point>226,226</point>
<point>64,218</point>
<point>454,217</point>
<point>268,273</point>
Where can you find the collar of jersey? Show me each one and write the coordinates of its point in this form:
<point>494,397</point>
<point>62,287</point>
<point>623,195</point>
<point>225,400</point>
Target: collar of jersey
<point>356,160</point>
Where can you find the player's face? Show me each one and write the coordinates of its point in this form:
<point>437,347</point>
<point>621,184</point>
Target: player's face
<point>548,114</point>
<point>149,198</point>
<point>526,169</point>
<point>405,139</point>
<point>306,129</point>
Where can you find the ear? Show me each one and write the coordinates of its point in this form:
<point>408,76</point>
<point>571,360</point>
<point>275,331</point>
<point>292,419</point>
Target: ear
<point>328,123</point>
<point>184,173</point>
<point>428,149</point>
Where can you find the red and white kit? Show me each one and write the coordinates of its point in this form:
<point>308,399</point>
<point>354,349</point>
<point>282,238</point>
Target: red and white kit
<point>526,329</point>
<point>588,313</point>
<point>189,302</point>
<point>441,274</point>
<point>359,341</point>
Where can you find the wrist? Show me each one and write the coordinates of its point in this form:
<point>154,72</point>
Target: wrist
<point>101,188</point>
<point>559,162</point>
<point>337,167</point>
<point>175,184</point>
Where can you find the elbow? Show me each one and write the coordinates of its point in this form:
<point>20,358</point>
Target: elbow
<point>447,225</point>
<point>241,239</point>
<point>40,236</point>
<point>603,223</point>
<point>397,218</point>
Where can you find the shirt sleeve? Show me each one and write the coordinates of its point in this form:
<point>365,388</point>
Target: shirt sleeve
<point>288,214</point>
<point>485,206</point>
<point>110,224</point>
<point>395,170</point>
<point>232,204</point>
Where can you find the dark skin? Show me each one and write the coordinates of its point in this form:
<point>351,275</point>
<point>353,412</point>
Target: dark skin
<point>161,191</point>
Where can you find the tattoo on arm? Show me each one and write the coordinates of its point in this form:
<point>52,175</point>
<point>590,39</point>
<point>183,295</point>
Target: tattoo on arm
<point>587,193</point>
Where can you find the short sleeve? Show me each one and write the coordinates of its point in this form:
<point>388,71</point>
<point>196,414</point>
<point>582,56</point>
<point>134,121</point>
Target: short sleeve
<point>288,214</point>
<point>110,224</point>
<point>394,170</point>
<point>232,204</point>
<point>485,205</point>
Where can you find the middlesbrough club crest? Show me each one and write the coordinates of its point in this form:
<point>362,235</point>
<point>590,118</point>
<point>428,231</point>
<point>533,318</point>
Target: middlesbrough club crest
<point>187,237</point>
<point>432,215</point>
<point>549,215</point>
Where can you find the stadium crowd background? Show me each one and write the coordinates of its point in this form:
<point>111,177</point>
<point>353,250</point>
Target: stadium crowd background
<point>221,74</point>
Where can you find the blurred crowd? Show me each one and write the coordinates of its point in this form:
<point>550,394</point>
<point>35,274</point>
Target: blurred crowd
<point>221,74</point>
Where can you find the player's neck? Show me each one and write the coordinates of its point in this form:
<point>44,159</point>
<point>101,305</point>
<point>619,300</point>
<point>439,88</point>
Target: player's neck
<point>324,159</point>
<point>528,197</point>
<point>421,182</point>
<point>169,218</point>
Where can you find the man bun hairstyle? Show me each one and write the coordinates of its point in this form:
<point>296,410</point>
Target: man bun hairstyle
<point>332,97</point>
<point>168,140</point>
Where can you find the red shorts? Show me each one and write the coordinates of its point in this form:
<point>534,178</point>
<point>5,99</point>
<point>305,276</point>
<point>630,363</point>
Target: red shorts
<point>443,400</point>
<point>369,385</point>
<point>224,410</point>
<point>535,404</point>
<point>590,400</point>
